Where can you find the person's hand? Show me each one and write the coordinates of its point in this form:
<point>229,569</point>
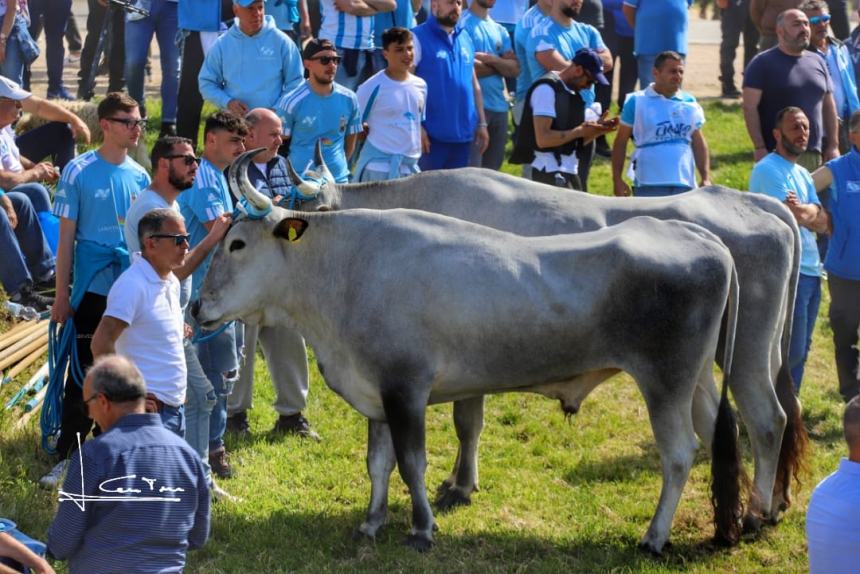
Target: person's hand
<point>41,567</point>
<point>347,6</point>
<point>425,141</point>
<point>237,108</point>
<point>486,58</point>
<point>365,131</point>
<point>758,154</point>
<point>61,310</point>
<point>6,203</point>
<point>2,52</point>
<point>305,30</point>
<point>482,139</point>
<point>832,152</point>
<point>80,130</point>
<point>621,189</point>
<point>220,226</point>
<point>187,330</point>
<point>44,171</point>
<point>791,199</point>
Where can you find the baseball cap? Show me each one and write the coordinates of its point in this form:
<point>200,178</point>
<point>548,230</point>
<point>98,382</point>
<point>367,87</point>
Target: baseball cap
<point>11,90</point>
<point>316,46</point>
<point>591,62</point>
<point>245,3</point>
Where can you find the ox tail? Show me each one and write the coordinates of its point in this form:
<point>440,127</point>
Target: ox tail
<point>728,479</point>
<point>795,442</point>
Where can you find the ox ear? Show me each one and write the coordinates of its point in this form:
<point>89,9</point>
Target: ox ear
<point>290,228</point>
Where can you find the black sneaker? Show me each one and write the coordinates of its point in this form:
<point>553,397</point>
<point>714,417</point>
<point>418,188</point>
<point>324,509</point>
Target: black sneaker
<point>730,92</point>
<point>27,297</point>
<point>295,424</point>
<point>167,129</point>
<point>238,423</point>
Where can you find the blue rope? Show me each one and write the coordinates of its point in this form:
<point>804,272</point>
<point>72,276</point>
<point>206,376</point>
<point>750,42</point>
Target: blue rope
<point>199,338</point>
<point>295,198</point>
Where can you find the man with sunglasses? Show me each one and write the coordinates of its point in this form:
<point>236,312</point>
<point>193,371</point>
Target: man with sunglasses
<point>134,457</point>
<point>143,317</point>
<point>839,64</point>
<point>94,194</point>
<point>321,110</point>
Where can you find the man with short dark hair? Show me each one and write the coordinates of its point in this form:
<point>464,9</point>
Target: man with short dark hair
<point>780,175</point>
<point>134,457</point>
<point>202,207</point>
<point>666,124</point>
<point>833,516</point>
<point>94,194</point>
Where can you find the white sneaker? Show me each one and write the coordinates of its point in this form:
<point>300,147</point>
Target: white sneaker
<point>55,477</point>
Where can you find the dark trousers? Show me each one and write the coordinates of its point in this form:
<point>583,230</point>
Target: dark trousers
<point>585,155</point>
<point>557,179</point>
<point>54,16</point>
<point>621,48</point>
<point>845,319</point>
<point>734,22</point>
<point>115,53</point>
<point>54,140</point>
<point>75,419</point>
<point>190,103</point>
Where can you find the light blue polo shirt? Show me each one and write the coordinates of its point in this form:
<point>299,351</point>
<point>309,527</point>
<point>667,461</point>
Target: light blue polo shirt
<point>660,25</point>
<point>96,195</point>
<point>491,37</point>
<point>309,117</point>
<point>532,18</point>
<point>776,176</point>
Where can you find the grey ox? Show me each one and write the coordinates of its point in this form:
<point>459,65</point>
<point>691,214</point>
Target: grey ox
<point>758,230</point>
<point>407,308</point>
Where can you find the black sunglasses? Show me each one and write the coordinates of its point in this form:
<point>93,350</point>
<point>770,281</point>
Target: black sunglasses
<point>189,158</point>
<point>177,238</point>
<point>326,60</point>
<point>129,123</point>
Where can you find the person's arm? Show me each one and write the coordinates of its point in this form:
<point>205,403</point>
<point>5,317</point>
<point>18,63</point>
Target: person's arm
<point>831,128</point>
<point>39,172</point>
<point>364,7</point>
<point>606,58</point>
<point>619,155</point>
<point>6,27</point>
<point>104,339</point>
<point>50,111</point>
<point>545,136</point>
<point>217,228</point>
<point>62,307</point>
<point>751,99</point>
<point>629,14</point>
<point>551,60</point>
<point>487,64</point>
<point>756,13</point>
<point>349,145</point>
<point>809,215</point>
<point>482,136</point>
<point>304,20</point>
<point>6,205</point>
<point>701,156</point>
<point>822,178</point>
<point>11,548</point>
<point>210,81</point>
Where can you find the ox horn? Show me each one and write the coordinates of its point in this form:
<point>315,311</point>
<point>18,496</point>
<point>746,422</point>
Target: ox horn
<point>309,189</point>
<point>320,162</point>
<point>237,177</point>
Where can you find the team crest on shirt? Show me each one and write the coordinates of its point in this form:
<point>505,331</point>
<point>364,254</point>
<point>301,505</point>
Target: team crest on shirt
<point>342,125</point>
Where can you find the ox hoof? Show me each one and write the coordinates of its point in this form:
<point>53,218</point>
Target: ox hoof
<point>654,549</point>
<point>753,524</point>
<point>446,485</point>
<point>451,499</point>
<point>365,532</point>
<point>418,543</point>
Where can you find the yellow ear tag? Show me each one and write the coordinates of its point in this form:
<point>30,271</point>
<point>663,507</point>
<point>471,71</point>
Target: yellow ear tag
<point>292,234</point>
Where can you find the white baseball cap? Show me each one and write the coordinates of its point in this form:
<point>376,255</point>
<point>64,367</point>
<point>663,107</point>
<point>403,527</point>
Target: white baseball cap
<point>11,90</point>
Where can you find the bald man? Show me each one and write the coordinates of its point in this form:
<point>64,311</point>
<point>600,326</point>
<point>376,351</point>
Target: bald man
<point>833,518</point>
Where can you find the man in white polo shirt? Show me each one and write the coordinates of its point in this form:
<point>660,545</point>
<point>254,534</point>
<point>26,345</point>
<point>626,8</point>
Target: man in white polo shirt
<point>143,319</point>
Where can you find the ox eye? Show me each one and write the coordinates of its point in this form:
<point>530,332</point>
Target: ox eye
<point>236,245</point>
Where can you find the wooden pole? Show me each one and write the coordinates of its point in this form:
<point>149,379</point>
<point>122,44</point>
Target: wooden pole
<point>24,341</point>
<point>15,357</point>
<point>26,362</point>
<point>15,334</point>
<point>17,328</point>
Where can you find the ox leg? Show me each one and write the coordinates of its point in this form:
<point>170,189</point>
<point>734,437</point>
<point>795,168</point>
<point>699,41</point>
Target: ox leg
<point>706,402</point>
<point>405,412</point>
<point>457,488</point>
<point>380,463</point>
<point>672,424</point>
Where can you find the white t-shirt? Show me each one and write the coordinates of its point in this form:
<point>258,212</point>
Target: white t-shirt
<point>395,116</point>
<point>153,338</point>
<point>543,104</point>
<point>10,157</point>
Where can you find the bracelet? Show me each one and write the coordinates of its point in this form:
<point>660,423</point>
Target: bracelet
<point>482,124</point>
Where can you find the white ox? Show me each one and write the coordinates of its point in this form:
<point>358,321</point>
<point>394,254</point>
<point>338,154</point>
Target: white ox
<point>407,308</point>
<point>758,230</point>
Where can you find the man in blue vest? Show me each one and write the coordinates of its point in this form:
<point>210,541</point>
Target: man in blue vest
<point>842,176</point>
<point>445,59</point>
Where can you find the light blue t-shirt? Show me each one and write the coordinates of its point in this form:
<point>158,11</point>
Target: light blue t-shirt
<point>550,35</point>
<point>776,176</point>
<point>660,25</point>
<point>403,16</point>
<point>96,195</point>
<point>285,13</point>
<point>532,18</point>
<point>207,199</point>
<point>309,117</point>
<point>490,37</point>
<point>833,521</point>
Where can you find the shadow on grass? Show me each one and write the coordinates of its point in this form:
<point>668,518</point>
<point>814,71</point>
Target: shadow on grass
<point>286,541</point>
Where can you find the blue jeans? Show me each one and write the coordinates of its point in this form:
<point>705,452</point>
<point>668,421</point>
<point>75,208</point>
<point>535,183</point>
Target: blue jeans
<point>199,402</point>
<point>658,190</point>
<point>220,364</point>
<point>173,419</point>
<point>26,255</point>
<point>445,155</point>
<point>162,22</point>
<point>13,65</point>
<point>54,15</point>
<point>805,313</point>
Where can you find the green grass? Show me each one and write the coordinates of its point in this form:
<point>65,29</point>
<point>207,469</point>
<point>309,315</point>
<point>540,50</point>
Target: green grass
<point>555,497</point>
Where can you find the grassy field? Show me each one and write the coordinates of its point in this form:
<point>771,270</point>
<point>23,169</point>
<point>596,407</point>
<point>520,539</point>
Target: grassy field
<point>555,496</point>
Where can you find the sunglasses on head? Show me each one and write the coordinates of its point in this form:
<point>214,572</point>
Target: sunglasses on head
<point>177,238</point>
<point>189,159</point>
<point>326,60</point>
<point>822,19</point>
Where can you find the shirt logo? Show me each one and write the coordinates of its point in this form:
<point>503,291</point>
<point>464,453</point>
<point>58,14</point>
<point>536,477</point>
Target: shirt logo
<point>409,116</point>
<point>442,55</point>
<point>266,51</point>
<point>309,121</point>
<point>211,197</point>
<point>101,193</point>
<point>852,187</point>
